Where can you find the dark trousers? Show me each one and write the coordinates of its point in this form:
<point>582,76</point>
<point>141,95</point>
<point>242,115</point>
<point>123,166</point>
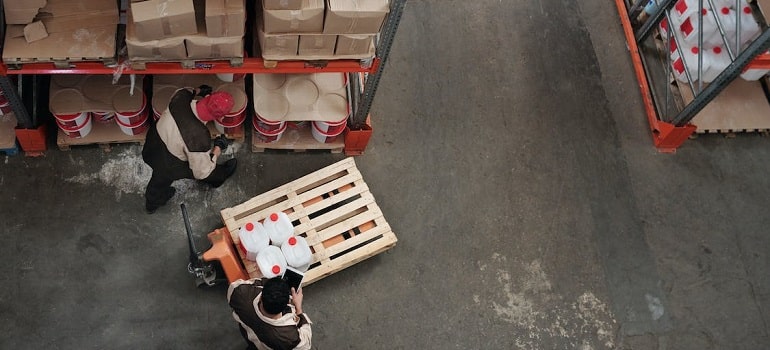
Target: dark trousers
<point>166,168</point>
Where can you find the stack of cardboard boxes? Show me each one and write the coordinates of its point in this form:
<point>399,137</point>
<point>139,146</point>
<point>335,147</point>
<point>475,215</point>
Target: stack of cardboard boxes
<point>319,29</point>
<point>182,29</point>
<point>51,30</point>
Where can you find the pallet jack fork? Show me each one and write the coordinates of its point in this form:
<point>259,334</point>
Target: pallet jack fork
<point>219,264</point>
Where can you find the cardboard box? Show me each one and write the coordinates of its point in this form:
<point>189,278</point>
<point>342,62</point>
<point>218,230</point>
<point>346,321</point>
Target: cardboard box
<point>21,11</point>
<point>309,19</point>
<point>283,45</point>
<point>282,4</point>
<point>353,44</point>
<point>35,31</point>
<point>225,18</point>
<point>163,49</point>
<point>316,45</point>
<point>159,19</point>
<point>83,44</point>
<point>355,16</point>
<point>201,46</point>
<point>69,15</point>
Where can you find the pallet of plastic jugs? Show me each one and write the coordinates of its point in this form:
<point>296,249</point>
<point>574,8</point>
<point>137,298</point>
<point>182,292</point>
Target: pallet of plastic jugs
<point>332,208</point>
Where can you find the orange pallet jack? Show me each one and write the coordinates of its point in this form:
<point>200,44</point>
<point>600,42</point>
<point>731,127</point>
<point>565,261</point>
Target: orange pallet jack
<point>219,264</point>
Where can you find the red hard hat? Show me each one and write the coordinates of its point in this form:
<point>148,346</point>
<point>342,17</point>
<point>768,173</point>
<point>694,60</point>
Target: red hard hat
<point>214,106</point>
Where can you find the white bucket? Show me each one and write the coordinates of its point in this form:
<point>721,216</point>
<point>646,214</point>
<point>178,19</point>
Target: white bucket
<point>79,131</point>
<point>328,135</point>
<point>297,253</point>
<point>279,227</point>
<point>271,262</point>
<point>135,128</point>
<point>253,238</point>
<point>72,120</point>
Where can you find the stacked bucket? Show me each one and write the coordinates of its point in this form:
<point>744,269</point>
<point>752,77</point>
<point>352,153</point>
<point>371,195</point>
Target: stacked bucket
<point>5,105</point>
<point>281,101</point>
<point>77,102</point>
<point>231,122</point>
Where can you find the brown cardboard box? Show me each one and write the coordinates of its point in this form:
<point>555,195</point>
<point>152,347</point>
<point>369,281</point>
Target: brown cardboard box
<point>35,31</point>
<point>282,45</point>
<point>21,11</point>
<point>282,4</point>
<point>84,43</point>
<point>225,18</point>
<point>201,46</point>
<point>355,16</point>
<point>158,19</point>
<point>353,44</point>
<point>163,49</point>
<point>68,15</point>
<point>316,45</point>
<point>309,19</point>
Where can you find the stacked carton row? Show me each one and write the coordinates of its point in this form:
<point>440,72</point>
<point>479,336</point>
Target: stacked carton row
<point>44,30</point>
<point>185,29</point>
<point>319,29</point>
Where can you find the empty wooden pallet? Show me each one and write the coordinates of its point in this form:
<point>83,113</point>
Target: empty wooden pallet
<point>332,208</point>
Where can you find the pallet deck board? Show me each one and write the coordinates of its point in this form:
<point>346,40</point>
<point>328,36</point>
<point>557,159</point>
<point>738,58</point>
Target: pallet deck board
<point>297,140</point>
<point>102,134</point>
<point>741,107</point>
<point>335,212</point>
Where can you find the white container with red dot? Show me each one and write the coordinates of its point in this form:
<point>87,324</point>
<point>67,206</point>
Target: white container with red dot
<point>253,238</point>
<point>279,227</point>
<point>271,262</point>
<point>297,253</point>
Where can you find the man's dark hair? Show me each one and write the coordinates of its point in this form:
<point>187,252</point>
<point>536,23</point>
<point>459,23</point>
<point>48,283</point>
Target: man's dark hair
<point>275,295</point>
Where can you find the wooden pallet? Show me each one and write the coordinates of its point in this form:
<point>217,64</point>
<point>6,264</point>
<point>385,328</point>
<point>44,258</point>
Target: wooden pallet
<point>190,63</point>
<point>297,140</point>
<point>102,134</point>
<point>332,208</point>
<point>740,108</point>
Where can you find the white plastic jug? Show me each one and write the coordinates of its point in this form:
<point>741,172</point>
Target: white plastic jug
<point>271,262</point>
<point>727,17</point>
<point>279,227</point>
<point>297,253</point>
<point>687,30</point>
<point>690,63</point>
<point>715,60</point>
<point>683,9</point>
<point>253,239</point>
<point>749,28</point>
<point>753,74</point>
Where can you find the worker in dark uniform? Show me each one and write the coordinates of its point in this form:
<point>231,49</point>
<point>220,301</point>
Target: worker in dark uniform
<point>267,318</point>
<point>178,145</point>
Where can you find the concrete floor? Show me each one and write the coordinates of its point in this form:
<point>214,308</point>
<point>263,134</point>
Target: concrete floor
<point>511,157</point>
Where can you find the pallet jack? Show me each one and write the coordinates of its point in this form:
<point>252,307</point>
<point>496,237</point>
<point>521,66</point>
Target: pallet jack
<point>208,273</point>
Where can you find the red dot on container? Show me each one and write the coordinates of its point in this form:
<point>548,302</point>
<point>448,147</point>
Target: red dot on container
<point>717,50</point>
<point>292,241</point>
<point>274,217</point>
<point>704,12</point>
<point>747,10</point>
<point>276,269</point>
<point>694,50</point>
<point>249,227</point>
<point>725,11</point>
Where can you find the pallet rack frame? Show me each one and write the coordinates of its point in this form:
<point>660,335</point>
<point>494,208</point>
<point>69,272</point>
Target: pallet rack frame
<point>669,133</point>
<point>362,104</point>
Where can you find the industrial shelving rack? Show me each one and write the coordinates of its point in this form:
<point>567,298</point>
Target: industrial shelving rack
<point>364,77</point>
<point>670,123</point>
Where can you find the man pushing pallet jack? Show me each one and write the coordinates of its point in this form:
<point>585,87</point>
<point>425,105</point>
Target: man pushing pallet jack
<point>332,209</point>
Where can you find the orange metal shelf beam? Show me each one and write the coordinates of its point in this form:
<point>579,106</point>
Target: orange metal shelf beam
<point>250,65</point>
<point>666,136</point>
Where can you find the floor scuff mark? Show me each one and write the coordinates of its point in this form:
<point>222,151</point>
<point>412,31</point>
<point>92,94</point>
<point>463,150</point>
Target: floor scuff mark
<point>543,316</point>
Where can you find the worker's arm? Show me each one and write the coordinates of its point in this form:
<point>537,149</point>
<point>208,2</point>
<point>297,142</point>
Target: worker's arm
<point>202,163</point>
<point>303,324</point>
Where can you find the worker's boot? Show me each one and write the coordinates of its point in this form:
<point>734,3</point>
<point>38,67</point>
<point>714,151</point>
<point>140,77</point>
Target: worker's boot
<point>222,172</point>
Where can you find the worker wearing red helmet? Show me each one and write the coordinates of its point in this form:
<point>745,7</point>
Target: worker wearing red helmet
<point>178,145</point>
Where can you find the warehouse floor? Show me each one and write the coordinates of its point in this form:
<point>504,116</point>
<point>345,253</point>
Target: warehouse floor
<point>512,158</point>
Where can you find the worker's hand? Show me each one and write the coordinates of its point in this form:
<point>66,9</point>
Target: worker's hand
<point>221,142</point>
<point>296,299</point>
<point>204,90</point>
<point>216,151</point>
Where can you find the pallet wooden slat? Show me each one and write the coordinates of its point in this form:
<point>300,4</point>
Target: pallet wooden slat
<point>342,229</point>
